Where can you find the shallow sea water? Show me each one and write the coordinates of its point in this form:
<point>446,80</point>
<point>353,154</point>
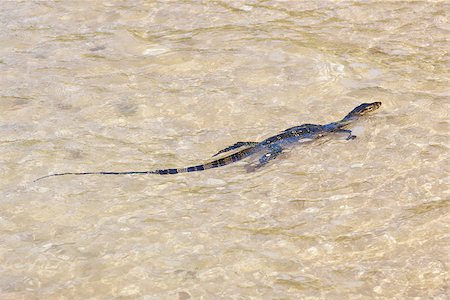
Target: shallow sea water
<point>106,85</point>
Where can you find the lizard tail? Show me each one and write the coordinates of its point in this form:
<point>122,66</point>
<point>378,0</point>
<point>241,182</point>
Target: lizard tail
<point>213,164</point>
<point>96,173</point>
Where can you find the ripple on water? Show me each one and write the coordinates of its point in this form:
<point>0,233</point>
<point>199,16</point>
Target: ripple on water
<point>167,84</point>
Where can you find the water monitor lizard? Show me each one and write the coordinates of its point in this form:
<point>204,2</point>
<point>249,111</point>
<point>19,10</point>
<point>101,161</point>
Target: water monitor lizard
<point>272,146</point>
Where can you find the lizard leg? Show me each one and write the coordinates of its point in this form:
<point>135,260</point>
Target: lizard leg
<point>235,146</point>
<point>350,136</point>
<point>275,150</point>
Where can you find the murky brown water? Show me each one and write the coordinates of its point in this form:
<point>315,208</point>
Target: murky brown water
<point>93,86</point>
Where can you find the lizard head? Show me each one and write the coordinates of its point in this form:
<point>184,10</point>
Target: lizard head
<point>364,109</point>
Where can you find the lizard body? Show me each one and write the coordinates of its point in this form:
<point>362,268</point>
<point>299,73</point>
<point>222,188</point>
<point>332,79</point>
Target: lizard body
<point>272,146</point>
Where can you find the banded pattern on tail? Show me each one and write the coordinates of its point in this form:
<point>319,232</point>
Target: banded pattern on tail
<point>213,164</point>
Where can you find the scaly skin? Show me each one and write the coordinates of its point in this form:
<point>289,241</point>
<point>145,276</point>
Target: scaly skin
<point>272,146</point>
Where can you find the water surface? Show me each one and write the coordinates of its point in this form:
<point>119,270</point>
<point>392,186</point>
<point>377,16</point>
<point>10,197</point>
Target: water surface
<point>103,86</point>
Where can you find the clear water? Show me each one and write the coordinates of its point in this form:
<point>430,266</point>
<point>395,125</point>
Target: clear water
<point>96,86</point>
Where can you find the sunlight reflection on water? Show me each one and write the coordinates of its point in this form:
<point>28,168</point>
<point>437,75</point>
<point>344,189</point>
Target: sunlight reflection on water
<point>168,84</point>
